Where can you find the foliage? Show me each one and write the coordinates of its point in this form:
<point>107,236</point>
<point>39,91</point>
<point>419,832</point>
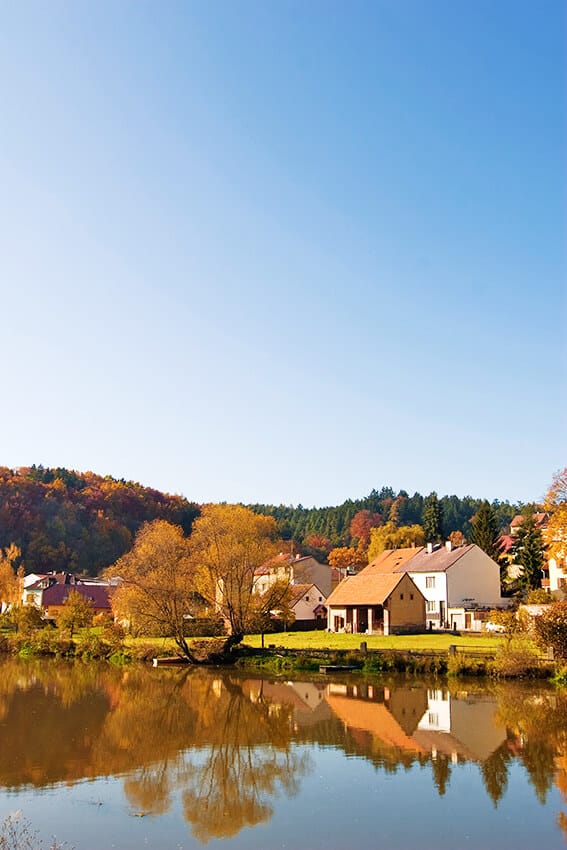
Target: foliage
<point>551,628</point>
<point>485,532</point>
<point>432,518</point>
<point>389,536</point>
<point>156,587</point>
<point>25,618</point>
<point>344,557</point>
<point>556,504</point>
<point>16,834</point>
<point>516,659</point>
<point>11,577</point>
<point>457,538</point>
<point>529,552</point>
<point>228,543</point>
<point>539,596</point>
<point>361,525</point>
<point>65,520</point>
<point>76,613</point>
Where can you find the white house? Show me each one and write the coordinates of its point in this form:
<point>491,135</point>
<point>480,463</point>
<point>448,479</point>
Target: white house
<point>457,582</point>
<point>297,569</point>
<point>308,603</point>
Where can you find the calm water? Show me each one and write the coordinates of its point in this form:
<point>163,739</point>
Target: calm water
<point>143,758</point>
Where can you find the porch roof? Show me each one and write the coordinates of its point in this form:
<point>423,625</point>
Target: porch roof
<point>363,589</point>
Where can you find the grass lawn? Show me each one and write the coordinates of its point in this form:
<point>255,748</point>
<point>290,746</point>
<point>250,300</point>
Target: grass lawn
<point>327,640</point>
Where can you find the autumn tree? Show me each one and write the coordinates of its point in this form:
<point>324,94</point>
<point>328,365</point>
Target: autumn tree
<point>432,518</point>
<point>361,525</point>
<point>11,578</point>
<point>555,536</point>
<point>389,536</point>
<point>76,613</point>
<point>345,557</point>
<point>228,543</point>
<point>485,532</point>
<point>551,628</point>
<point>156,588</point>
<point>457,538</point>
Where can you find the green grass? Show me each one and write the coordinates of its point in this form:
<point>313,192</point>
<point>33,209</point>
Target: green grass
<point>327,640</point>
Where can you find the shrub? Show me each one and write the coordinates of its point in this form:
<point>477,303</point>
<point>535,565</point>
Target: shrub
<point>204,627</point>
<point>551,628</point>
<point>539,596</point>
<point>515,660</point>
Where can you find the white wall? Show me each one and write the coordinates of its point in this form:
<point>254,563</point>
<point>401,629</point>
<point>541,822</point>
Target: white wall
<point>303,608</point>
<point>474,576</point>
<point>556,573</point>
<point>435,594</point>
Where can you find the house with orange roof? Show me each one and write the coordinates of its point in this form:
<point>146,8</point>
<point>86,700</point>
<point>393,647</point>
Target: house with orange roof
<point>376,603</point>
<point>460,583</point>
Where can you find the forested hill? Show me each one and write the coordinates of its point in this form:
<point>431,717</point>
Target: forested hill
<point>334,523</point>
<point>65,520</point>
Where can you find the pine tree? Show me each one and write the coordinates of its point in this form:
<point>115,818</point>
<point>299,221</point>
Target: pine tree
<point>485,532</point>
<point>432,518</point>
<point>529,552</point>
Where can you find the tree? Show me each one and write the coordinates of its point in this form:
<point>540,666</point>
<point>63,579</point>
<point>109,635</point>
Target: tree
<point>156,590</point>
<point>457,538</point>
<point>11,580</point>
<point>344,557</point>
<point>529,552</point>
<point>362,523</point>
<point>555,536</point>
<point>485,532</point>
<point>432,518</point>
<point>76,613</point>
<point>551,628</point>
<point>228,543</point>
<point>389,536</point>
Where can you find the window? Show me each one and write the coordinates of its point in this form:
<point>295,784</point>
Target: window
<point>411,596</point>
<point>320,599</point>
<point>401,595</point>
<point>433,719</point>
<point>431,606</point>
<point>430,581</point>
<point>307,599</point>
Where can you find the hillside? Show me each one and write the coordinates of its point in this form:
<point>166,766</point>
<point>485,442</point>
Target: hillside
<point>65,520</point>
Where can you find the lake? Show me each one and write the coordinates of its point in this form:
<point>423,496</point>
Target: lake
<point>137,757</point>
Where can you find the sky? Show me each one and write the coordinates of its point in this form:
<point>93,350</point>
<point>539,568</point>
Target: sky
<point>286,252</point>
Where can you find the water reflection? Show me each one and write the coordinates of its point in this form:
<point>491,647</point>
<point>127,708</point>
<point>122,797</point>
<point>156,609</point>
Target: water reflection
<point>228,745</point>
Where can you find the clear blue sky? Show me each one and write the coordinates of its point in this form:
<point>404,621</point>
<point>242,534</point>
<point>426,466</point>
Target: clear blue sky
<point>286,251</point>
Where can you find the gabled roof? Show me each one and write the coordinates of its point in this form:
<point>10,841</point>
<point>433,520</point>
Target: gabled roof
<point>392,560</point>
<point>366,588</point>
<point>57,594</point>
<point>437,561</point>
<point>301,590</point>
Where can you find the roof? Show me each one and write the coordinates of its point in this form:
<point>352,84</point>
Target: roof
<point>541,518</point>
<point>364,589</point>
<point>437,561</point>
<point>284,558</point>
<point>57,594</point>
<point>301,590</point>
<point>391,560</point>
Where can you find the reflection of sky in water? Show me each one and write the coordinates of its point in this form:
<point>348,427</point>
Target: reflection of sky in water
<point>274,764</point>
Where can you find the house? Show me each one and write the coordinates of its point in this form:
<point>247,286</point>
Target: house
<point>376,603</point>
<point>557,568</point>
<point>55,597</point>
<point>460,584</point>
<point>308,605</point>
<point>297,569</point>
<point>541,521</point>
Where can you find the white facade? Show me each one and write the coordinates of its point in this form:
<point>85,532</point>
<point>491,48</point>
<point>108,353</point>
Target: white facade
<point>558,574</point>
<point>304,606</point>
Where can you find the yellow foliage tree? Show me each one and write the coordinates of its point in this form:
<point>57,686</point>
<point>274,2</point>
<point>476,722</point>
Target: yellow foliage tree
<point>390,536</point>
<point>228,543</point>
<point>156,589</point>
<point>344,557</point>
<point>11,580</point>
<point>555,536</point>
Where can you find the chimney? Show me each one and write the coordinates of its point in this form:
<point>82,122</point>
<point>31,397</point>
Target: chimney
<point>429,548</point>
<point>448,546</point>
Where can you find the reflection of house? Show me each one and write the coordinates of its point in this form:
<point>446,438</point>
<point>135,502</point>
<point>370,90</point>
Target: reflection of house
<point>456,581</point>
<point>296,569</point>
<point>55,597</point>
<point>308,604</point>
<point>371,603</point>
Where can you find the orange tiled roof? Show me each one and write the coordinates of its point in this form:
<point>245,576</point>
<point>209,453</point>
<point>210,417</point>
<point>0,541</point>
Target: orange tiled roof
<point>366,588</point>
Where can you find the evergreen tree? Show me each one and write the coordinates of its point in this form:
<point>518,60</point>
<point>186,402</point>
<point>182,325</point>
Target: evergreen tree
<point>432,518</point>
<point>485,532</point>
<point>529,552</point>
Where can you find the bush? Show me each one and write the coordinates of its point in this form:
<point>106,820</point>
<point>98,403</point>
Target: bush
<point>204,627</point>
<point>551,628</point>
<point>538,597</point>
<point>515,660</point>
<point>460,665</point>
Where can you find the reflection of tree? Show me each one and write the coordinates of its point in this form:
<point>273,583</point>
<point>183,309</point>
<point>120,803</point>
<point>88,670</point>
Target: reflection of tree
<point>441,773</point>
<point>248,759</point>
<point>495,773</point>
